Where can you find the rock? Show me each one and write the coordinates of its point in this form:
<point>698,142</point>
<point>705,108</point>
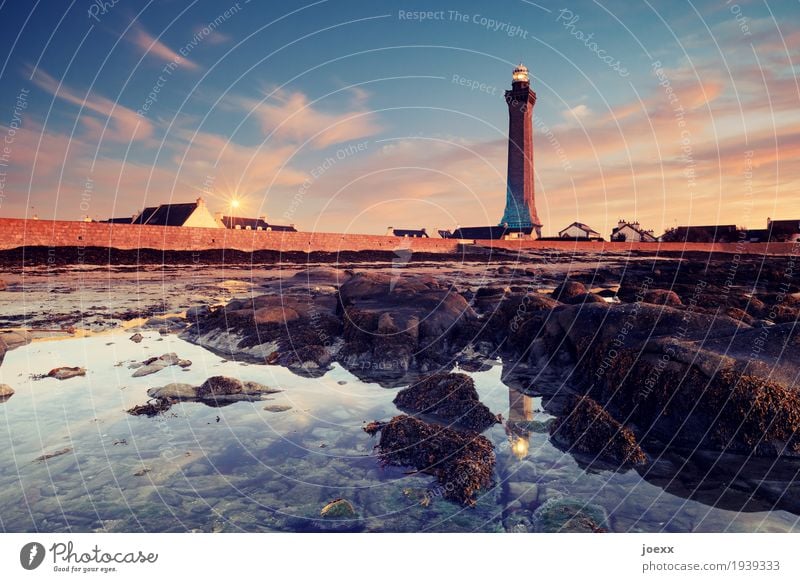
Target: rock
<point>569,516</point>
<point>526,494</point>
<point>339,509</point>
<point>567,290</point>
<point>585,298</point>
<point>197,312</point>
<point>153,365</point>
<point>6,392</point>
<point>3,285</point>
<point>275,314</point>
<point>3,350</point>
<point>462,462</point>
<point>176,390</point>
<point>662,297</point>
<point>451,397</point>
<point>17,338</point>
<point>136,338</point>
<point>64,373</point>
<point>48,456</point>
<point>220,386</point>
<point>587,428</point>
<point>154,407</point>
<point>277,408</point>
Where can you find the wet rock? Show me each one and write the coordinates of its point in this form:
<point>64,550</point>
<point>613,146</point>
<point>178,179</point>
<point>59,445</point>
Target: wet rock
<point>394,325</point>
<point>14,339</point>
<point>662,297</point>
<point>54,454</point>
<point>175,390</point>
<point>3,350</point>
<point>220,386</point>
<point>451,397</point>
<point>569,516</point>
<point>339,509</point>
<point>567,290</point>
<point>156,364</point>
<point>461,462</point>
<point>587,428</point>
<point>3,285</point>
<point>585,298</point>
<point>196,312</point>
<point>153,407</point>
<point>6,392</point>
<point>277,407</point>
<point>136,338</point>
<point>65,372</point>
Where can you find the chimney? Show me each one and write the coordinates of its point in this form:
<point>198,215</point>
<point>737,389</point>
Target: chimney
<point>200,201</point>
<point>389,231</point>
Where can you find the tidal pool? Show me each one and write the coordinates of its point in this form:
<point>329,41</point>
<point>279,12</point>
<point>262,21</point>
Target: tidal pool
<point>242,467</point>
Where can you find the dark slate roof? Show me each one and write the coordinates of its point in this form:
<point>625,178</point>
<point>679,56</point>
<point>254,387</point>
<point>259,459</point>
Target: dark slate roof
<point>783,227</point>
<point>282,228</point>
<point>243,223</point>
<point>145,214</point>
<point>125,220</point>
<point>172,214</point>
<point>488,232</point>
<point>410,233</point>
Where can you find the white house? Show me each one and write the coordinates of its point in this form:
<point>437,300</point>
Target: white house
<point>631,232</point>
<point>579,230</point>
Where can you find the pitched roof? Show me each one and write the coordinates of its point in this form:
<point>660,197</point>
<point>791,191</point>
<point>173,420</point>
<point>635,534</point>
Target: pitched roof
<point>144,215</point>
<point>488,232</point>
<point>410,233</point>
<point>584,227</point>
<point>253,223</point>
<point>124,220</point>
<point>171,214</point>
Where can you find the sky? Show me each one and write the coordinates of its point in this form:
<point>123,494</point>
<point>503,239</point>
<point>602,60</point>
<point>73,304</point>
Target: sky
<point>352,116</point>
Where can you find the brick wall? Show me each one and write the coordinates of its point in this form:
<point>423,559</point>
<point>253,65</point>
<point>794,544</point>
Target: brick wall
<point>15,232</point>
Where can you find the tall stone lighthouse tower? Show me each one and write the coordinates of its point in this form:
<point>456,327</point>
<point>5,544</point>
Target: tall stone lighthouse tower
<point>520,205</point>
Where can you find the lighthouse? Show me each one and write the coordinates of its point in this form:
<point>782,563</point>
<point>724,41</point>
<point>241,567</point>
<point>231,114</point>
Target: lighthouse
<point>520,210</point>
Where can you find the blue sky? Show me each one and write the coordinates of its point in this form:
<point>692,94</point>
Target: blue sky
<point>354,116</point>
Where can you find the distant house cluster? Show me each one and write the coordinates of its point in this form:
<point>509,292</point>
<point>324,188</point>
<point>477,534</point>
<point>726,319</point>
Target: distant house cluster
<point>197,214</point>
<point>776,231</point>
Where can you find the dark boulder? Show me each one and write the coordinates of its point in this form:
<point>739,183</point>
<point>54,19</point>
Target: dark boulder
<point>588,429</point>
<point>462,462</point>
<point>451,397</point>
<point>567,290</point>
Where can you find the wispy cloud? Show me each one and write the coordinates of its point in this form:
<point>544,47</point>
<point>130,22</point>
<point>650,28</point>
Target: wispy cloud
<point>152,47</point>
<point>115,122</point>
<point>291,116</point>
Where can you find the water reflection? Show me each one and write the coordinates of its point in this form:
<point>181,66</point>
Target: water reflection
<point>520,414</point>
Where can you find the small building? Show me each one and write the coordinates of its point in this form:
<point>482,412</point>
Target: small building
<point>260,223</point>
<point>579,231</point>
<point>631,232</point>
<point>783,230</point>
<point>502,232</point>
<point>725,233</point>
<point>407,233</point>
<point>123,220</point>
<point>185,214</point>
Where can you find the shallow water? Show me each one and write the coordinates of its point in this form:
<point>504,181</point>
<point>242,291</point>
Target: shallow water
<point>243,468</point>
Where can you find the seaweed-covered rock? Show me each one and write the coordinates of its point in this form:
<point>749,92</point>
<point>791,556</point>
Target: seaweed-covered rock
<point>152,407</point>
<point>569,516</point>
<point>220,386</point>
<point>662,297</point>
<point>452,397</point>
<point>585,298</point>
<point>588,428</point>
<point>567,290</point>
<point>339,509</point>
<point>461,462</point>
<point>66,372</point>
